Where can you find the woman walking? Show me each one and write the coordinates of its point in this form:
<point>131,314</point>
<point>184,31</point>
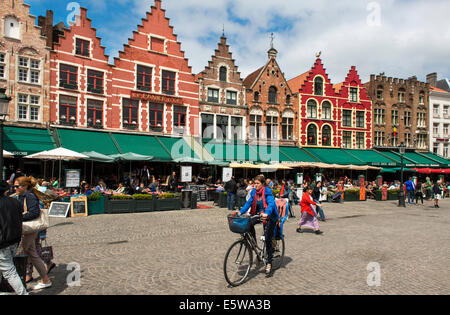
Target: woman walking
<point>309,216</point>
<point>262,202</point>
<point>30,203</point>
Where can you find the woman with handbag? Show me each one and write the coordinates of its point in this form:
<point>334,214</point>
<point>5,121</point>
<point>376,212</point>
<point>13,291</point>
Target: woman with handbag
<point>25,189</point>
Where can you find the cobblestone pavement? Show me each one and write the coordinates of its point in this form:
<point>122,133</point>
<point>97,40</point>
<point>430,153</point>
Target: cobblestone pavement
<point>182,252</point>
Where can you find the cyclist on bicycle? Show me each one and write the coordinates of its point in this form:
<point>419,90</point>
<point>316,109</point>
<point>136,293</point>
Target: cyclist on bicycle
<point>262,203</point>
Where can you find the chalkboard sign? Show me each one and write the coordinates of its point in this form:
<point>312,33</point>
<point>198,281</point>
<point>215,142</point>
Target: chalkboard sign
<point>202,193</point>
<point>79,207</point>
<point>59,209</point>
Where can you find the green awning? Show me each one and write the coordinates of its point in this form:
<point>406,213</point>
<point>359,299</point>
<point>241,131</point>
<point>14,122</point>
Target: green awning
<point>227,152</point>
<point>420,161</point>
<point>334,156</point>
<point>26,141</point>
<point>130,156</point>
<point>388,170</point>
<point>178,148</point>
<point>87,141</point>
<point>371,157</point>
<point>98,157</point>
<point>141,144</point>
<point>441,160</point>
<point>296,154</point>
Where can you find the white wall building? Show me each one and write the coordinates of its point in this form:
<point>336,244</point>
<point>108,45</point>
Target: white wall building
<point>439,122</point>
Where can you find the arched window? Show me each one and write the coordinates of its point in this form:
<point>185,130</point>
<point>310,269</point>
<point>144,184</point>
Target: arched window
<point>312,109</point>
<point>272,94</point>
<point>223,74</point>
<point>312,135</point>
<point>326,136</point>
<point>318,86</point>
<point>326,110</point>
<point>380,91</point>
<point>288,99</point>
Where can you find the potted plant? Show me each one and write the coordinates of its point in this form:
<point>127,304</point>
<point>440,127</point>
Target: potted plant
<point>168,201</point>
<point>120,204</point>
<point>351,195</point>
<point>96,203</point>
<point>144,203</point>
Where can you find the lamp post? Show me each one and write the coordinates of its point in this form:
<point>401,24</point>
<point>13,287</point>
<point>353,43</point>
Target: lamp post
<point>401,195</point>
<point>4,110</point>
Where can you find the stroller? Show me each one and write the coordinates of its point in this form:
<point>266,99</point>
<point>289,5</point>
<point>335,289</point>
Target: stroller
<point>337,197</point>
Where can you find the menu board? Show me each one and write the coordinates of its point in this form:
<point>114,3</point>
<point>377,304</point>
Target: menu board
<point>73,178</point>
<point>79,206</point>
<point>227,174</point>
<point>59,209</point>
<point>186,174</point>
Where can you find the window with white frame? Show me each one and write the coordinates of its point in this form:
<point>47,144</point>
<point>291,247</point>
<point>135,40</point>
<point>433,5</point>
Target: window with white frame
<point>353,97</point>
<point>407,119</point>
<point>401,95</point>
<point>380,116</point>
<point>312,109</point>
<point>436,110</point>
<point>347,139</point>
<point>379,138</point>
<point>347,118</point>
<point>445,111</point>
<point>421,120</point>
<point>326,110</point>
<point>360,119</point>
<point>421,98</point>
<point>394,117</point>
<point>422,141</point>
<point>231,98</point>
<point>28,107</point>
<point>29,70</point>
<point>445,153</point>
<point>360,140</point>
<point>445,130</point>
<point>2,65</point>
<point>408,139</point>
<point>435,148</point>
<point>436,130</point>
<point>213,95</point>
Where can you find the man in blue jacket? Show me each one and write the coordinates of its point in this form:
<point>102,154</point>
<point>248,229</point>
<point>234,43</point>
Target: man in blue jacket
<point>410,190</point>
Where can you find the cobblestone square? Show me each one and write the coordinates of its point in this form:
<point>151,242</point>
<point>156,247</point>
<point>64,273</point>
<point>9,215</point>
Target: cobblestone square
<point>182,252</point>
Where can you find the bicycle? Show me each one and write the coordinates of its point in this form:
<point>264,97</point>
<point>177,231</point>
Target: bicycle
<point>239,257</point>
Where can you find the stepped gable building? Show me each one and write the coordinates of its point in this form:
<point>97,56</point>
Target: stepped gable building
<point>355,113</point>
<point>333,116</point>
<point>222,97</point>
<point>272,106</point>
<point>81,78</point>
<point>153,88</point>
<point>400,112</point>
<point>25,62</point>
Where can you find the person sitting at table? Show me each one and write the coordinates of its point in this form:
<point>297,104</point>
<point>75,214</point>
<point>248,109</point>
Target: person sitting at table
<point>86,189</point>
<point>120,189</point>
<point>141,189</point>
<point>154,187</point>
<point>101,187</point>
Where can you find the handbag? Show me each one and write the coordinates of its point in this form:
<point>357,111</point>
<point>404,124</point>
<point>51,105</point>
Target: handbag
<point>36,225</point>
<point>45,252</point>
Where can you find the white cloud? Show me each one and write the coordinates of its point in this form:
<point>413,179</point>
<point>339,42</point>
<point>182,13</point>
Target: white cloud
<point>413,37</point>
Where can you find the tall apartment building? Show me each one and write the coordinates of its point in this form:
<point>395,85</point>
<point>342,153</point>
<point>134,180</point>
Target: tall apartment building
<point>400,112</point>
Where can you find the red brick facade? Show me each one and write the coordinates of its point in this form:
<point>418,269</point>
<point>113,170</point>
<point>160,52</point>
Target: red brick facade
<point>331,115</point>
<point>80,78</point>
<point>152,63</point>
<point>272,107</point>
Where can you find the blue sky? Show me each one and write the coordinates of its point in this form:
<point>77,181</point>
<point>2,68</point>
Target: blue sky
<point>400,38</point>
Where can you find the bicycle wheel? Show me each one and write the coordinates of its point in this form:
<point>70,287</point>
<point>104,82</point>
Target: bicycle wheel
<point>278,254</point>
<point>237,263</point>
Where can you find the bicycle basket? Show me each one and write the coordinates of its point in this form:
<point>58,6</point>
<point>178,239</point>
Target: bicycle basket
<point>238,224</point>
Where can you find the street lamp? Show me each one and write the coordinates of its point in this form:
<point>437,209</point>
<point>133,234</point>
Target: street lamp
<point>4,110</point>
<point>401,195</point>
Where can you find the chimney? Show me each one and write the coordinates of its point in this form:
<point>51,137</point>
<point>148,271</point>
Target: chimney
<point>432,78</point>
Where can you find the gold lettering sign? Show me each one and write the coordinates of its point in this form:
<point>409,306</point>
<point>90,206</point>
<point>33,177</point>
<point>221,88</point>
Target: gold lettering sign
<point>155,98</point>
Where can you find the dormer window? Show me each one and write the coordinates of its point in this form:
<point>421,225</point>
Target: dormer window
<point>272,95</point>
<point>353,94</point>
<point>82,47</point>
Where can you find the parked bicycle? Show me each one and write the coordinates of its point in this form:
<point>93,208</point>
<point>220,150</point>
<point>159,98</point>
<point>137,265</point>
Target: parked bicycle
<point>239,258</point>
